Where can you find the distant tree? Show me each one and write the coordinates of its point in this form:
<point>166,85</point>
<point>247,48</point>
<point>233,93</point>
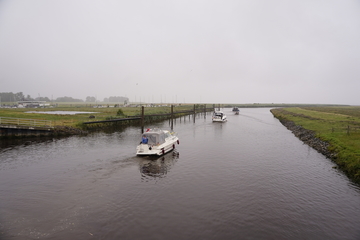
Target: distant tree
<point>19,96</point>
<point>11,97</point>
<point>90,99</point>
<point>68,99</point>
<point>42,99</point>
<point>28,98</point>
<point>6,96</point>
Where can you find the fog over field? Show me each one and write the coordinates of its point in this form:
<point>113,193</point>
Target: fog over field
<point>252,51</point>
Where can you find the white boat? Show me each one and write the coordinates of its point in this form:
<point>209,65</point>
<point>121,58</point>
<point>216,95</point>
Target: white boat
<point>156,142</point>
<point>219,116</point>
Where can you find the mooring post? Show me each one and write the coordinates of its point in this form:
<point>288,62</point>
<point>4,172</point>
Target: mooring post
<point>172,116</point>
<point>172,111</point>
<point>194,113</point>
<point>204,110</point>
<point>142,119</point>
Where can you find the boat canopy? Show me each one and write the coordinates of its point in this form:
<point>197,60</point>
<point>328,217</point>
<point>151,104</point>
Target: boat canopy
<point>220,114</point>
<point>155,137</point>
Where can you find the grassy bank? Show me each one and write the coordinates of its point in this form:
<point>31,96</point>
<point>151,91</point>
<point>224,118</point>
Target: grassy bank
<point>100,114</point>
<point>338,126</point>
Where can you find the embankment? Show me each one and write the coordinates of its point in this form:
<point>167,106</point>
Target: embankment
<point>341,148</point>
<point>13,131</point>
<point>309,138</point>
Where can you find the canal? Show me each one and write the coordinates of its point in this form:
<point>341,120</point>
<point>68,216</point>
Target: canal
<point>248,178</point>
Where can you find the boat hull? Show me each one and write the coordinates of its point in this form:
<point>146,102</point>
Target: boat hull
<point>221,120</point>
<point>215,119</point>
<point>150,150</point>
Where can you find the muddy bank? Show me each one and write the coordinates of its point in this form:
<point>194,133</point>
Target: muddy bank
<point>14,131</point>
<point>309,138</point>
<point>66,130</point>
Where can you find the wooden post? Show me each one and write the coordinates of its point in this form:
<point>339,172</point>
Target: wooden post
<point>172,111</point>
<point>204,110</point>
<point>142,119</point>
<point>348,130</point>
<point>194,113</point>
<point>172,116</point>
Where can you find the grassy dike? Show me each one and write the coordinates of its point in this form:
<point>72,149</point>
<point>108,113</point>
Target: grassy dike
<point>333,131</point>
<point>76,121</point>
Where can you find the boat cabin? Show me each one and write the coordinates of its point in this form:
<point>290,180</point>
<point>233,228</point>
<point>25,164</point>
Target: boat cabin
<point>156,137</point>
<point>218,114</point>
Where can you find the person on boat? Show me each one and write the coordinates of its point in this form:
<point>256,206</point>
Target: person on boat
<point>144,139</point>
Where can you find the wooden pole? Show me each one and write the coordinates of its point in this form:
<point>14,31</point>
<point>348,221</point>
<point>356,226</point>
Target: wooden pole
<point>172,116</point>
<point>142,119</point>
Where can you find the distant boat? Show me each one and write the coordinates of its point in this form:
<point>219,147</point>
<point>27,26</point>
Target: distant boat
<point>236,110</point>
<point>219,116</point>
<point>156,142</point>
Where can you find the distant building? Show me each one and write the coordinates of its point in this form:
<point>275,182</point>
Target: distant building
<point>28,104</point>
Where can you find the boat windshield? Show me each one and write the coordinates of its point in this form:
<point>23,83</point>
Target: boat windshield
<point>155,138</point>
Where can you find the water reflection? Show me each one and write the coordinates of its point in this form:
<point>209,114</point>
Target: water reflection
<point>157,167</point>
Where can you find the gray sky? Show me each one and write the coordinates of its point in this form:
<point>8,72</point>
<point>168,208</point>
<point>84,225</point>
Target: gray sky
<point>253,51</point>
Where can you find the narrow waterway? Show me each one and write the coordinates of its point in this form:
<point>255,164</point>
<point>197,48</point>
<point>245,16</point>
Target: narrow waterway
<point>248,178</point>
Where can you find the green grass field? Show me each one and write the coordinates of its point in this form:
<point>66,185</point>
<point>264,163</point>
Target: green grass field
<point>339,126</point>
<point>76,120</point>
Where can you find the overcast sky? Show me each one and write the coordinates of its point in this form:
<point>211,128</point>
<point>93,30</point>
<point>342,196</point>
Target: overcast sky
<point>241,51</point>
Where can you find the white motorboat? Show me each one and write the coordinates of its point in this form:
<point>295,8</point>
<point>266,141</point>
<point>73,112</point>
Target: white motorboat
<point>219,116</point>
<point>156,142</point>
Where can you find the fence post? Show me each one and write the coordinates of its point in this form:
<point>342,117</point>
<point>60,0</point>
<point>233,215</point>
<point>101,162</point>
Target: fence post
<point>348,130</point>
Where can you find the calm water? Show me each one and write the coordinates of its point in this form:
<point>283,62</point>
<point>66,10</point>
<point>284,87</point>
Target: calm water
<point>249,178</point>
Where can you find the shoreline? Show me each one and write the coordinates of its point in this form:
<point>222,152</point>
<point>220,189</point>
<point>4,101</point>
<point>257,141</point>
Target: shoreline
<point>308,137</point>
<point>341,153</point>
